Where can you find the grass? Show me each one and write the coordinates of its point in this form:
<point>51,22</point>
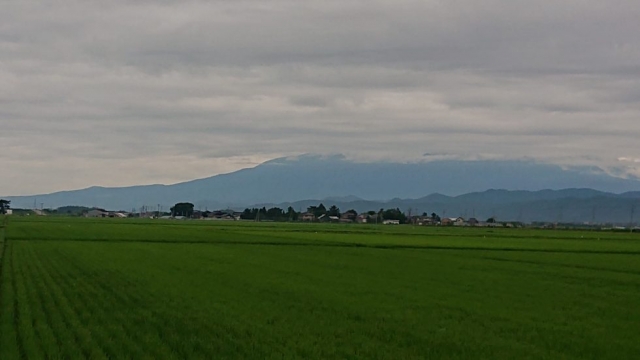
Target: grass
<point>78,288</point>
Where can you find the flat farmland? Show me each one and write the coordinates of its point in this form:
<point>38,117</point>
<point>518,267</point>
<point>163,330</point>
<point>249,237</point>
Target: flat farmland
<point>107,288</point>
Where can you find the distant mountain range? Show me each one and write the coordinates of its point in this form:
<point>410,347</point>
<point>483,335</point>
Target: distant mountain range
<point>336,180</point>
<point>567,205</point>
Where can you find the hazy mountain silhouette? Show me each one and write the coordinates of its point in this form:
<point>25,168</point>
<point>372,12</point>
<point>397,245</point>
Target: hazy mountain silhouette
<point>343,181</point>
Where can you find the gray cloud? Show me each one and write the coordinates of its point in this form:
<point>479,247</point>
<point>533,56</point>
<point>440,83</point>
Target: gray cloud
<point>124,92</point>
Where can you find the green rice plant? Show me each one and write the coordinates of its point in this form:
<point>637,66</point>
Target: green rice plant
<point>107,288</point>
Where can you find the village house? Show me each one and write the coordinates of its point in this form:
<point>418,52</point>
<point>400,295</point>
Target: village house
<point>349,216</point>
<point>459,221</point>
<point>97,213</point>
<point>308,216</point>
<point>422,220</point>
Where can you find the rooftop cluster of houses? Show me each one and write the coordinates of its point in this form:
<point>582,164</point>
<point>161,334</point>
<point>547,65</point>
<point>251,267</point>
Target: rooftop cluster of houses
<point>208,215</point>
<point>364,218</point>
<point>204,215</point>
<point>102,213</point>
<point>454,221</point>
<point>348,217</point>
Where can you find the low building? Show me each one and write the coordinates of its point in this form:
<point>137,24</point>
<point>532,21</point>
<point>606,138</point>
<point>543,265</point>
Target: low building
<point>308,216</point>
<point>391,222</point>
<point>422,220</point>
<point>97,213</point>
<point>348,216</point>
<point>455,221</point>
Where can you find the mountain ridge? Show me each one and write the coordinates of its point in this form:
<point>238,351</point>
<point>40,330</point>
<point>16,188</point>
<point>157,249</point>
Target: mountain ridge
<point>289,179</point>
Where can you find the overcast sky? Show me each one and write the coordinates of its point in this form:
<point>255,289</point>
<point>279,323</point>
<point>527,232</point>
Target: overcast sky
<point>134,92</point>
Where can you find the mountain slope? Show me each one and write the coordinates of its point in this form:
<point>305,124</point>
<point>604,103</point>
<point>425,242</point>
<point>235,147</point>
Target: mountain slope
<point>317,177</point>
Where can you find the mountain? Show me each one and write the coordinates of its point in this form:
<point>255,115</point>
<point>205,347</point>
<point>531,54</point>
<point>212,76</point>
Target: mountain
<point>334,177</point>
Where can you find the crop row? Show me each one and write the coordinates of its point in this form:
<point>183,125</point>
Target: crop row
<point>318,299</point>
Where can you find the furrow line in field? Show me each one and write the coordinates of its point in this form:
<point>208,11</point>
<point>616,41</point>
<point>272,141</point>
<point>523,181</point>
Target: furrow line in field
<point>571,266</point>
<point>72,318</point>
<point>8,330</point>
<point>41,309</point>
<point>326,243</point>
<point>28,346</point>
<point>78,342</point>
<point>105,326</point>
<point>140,314</point>
<point>105,296</point>
<point>160,334</point>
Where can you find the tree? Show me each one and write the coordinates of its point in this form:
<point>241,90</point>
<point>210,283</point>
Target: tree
<point>333,211</point>
<point>491,220</point>
<point>394,214</point>
<point>4,206</point>
<point>248,214</point>
<point>292,215</point>
<point>275,214</point>
<point>318,211</point>
<point>182,209</point>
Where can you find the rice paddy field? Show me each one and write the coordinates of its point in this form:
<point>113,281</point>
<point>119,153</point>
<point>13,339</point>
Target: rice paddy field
<point>112,288</point>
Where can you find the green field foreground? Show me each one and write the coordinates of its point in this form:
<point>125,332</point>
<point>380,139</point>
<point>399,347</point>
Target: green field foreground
<point>110,288</point>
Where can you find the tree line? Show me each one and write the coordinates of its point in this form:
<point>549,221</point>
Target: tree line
<point>320,213</point>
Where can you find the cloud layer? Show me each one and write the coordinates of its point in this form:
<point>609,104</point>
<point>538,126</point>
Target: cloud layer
<point>121,92</point>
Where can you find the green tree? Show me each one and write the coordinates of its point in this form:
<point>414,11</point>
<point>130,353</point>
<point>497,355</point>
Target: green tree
<point>182,209</point>
<point>248,214</point>
<point>292,215</point>
<point>319,210</point>
<point>4,206</point>
<point>394,214</point>
<point>333,211</point>
<point>275,214</point>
